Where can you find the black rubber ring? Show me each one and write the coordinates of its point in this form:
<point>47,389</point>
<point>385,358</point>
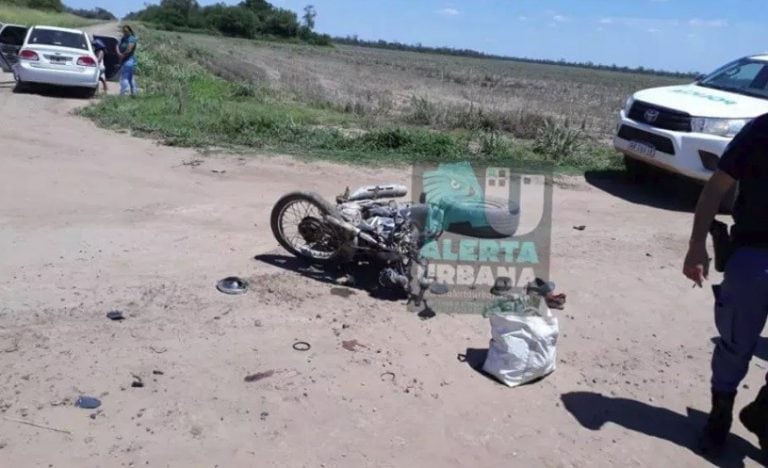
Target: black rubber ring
<point>301,346</point>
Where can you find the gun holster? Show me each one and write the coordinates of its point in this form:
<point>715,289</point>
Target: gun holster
<point>722,243</point>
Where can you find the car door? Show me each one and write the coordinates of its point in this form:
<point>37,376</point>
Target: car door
<point>111,60</point>
<point>11,39</point>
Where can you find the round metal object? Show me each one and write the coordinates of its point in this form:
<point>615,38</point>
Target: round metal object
<point>232,285</point>
<point>301,346</point>
<point>311,229</point>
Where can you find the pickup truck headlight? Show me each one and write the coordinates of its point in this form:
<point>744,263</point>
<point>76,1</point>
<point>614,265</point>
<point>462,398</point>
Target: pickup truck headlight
<point>721,127</point>
<point>628,104</point>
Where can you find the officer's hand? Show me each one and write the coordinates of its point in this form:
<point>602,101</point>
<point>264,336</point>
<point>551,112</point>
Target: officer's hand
<point>696,265</point>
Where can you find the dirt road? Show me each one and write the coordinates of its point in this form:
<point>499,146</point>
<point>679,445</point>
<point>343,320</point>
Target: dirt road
<point>92,221</point>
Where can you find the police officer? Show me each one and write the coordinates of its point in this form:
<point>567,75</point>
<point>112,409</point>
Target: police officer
<point>741,300</point>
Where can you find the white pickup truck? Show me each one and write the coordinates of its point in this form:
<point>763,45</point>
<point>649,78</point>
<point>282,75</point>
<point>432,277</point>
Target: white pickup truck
<point>685,129</point>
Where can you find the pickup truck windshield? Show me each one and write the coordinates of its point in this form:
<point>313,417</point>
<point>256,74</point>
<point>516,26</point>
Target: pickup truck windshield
<point>747,76</point>
<point>58,38</point>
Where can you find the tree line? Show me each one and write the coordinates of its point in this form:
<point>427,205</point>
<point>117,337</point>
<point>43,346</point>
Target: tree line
<point>58,6</point>
<point>248,19</point>
<point>380,44</point>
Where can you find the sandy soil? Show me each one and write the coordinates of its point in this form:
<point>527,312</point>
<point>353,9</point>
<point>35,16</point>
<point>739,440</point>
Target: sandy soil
<point>92,221</point>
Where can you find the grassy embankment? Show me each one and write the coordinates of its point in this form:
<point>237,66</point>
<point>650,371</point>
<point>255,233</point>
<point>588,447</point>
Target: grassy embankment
<point>14,14</point>
<point>185,104</point>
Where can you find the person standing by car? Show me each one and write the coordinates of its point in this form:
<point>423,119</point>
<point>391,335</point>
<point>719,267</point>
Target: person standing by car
<point>100,49</point>
<point>126,53</point>
<point>741,300</point>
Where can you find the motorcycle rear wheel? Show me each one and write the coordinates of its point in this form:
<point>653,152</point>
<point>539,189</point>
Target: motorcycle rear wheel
<point>316,242</point>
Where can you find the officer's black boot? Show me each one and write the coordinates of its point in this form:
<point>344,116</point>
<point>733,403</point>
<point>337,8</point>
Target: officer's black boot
<point>718,426</point>
<point>754,416</point>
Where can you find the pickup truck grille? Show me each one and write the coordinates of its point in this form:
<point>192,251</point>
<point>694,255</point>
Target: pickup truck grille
<point>660,117</point>
<point>659,142</point>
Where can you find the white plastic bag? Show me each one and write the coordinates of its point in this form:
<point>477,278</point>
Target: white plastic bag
<point>523,346</point>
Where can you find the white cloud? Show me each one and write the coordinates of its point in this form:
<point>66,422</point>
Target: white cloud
<point>606,21</point>
<point>560,19</point>
<point>654,30</point>
<point>448,12</point>
<point>715,23</point>
<point>522,18</point>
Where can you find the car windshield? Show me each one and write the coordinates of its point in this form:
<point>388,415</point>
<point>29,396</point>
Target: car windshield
<point>747,76</point>
<point>13,35</point>
<point>59,38</point>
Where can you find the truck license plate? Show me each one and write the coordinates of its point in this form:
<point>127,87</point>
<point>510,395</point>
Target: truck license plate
<point>643,149</point>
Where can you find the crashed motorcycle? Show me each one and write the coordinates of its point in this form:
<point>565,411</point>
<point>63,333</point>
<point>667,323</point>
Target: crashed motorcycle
<point>367,225</point>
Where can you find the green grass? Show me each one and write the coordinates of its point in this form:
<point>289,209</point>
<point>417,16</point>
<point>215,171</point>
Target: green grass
<point>184,104</point>
<point>29,17</point>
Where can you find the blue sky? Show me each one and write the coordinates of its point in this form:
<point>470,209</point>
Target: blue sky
<point>680,35</point>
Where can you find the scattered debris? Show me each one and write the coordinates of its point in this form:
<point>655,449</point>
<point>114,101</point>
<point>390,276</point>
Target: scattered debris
<point>21,421</point>
<point>264,415</point>
<point>342,292</point>
<point>388,376</point>
<point>192,163</point>
<point>346,280</point>
<point>218,172</point>
<point>232,285</point>
<point>13,347</point>
<point>259,376</point>
<point>580,228</point>
<point>352,345</point>
<point>158,350</point>
<point>158,372</point>
<point>115,315</point>
<point>87,402</point>
<point>301,346</point>
<point>137,382</point>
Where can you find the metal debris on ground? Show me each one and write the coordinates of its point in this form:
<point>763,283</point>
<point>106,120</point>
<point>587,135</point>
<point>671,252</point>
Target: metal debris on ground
<point>115,315</point>
<point>580,228</point>
<point>137,382</point>
<point>352,345</point>
<point>28,423</point>
<point>232,285</point>
<point>259,376</point>
<point>87,402</point>
<point>301,346</point>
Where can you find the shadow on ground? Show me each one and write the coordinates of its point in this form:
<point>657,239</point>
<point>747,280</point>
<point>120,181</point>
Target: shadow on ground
<point>652,188</point>
<point>366,278</point>
<point>50,91</point>
<point>593,411</point>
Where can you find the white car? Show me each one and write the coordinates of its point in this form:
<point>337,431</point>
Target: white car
<point>57,56</point>
<point>685,129</point>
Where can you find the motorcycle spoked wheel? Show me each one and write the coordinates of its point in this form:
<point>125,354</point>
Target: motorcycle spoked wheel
<point>297,224</point>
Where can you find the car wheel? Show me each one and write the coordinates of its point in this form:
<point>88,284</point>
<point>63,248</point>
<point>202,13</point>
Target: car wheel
<point>89,93</point>
<point>20,87</point>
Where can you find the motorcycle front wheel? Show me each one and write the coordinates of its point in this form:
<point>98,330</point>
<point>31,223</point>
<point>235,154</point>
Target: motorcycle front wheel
<point>297,224</point>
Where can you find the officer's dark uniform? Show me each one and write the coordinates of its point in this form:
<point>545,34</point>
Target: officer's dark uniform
<point>741,300</point>
<point>741,305</point>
